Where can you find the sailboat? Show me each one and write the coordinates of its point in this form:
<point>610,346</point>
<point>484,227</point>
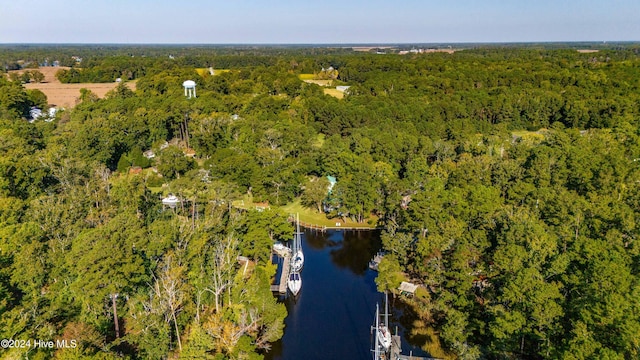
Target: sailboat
<point>384,335</point>
<point>294,283</point>
<point>297,259</point>
<point>376,346</point>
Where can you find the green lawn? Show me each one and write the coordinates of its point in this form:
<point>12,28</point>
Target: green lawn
<point>306,76</point>
<point>310,216</point>
<point>203,71</point>
<point>307,215</point>
<point>335,93</point>
<point>529,136</point>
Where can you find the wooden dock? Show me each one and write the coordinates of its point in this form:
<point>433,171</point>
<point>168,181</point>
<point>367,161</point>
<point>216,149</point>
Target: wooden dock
<point>396,351</point>
<point>281,287</point>
<point>373,264</point>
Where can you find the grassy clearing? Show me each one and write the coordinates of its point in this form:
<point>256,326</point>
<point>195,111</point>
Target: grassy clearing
<point>307,76</point>
<point>529,136</point>
<point>204,71</point>
<point>318,142</point>
<point>310,216</point>
<point>335,93</point>
<point>245,203</point>
<point>320,82</point>
<point>307,215</point>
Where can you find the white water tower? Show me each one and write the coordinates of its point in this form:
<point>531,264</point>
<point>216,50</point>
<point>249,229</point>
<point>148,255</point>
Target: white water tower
<point>189,88</point>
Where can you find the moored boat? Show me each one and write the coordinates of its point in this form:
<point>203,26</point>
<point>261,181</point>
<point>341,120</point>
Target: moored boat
<point>294,283</point>
<point>297,259</point>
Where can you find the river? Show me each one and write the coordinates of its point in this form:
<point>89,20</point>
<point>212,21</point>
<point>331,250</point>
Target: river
<point>332,315</point>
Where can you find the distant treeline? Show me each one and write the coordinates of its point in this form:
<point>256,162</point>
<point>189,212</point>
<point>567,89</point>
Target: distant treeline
<point>506,181</point>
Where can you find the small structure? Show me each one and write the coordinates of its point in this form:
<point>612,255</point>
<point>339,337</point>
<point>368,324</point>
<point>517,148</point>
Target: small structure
<point>342,88</point>
<point>149,154</point>
<point>171,201</point>
<point>407,288</point>
<point>332,182</point>
<point>262,206</point>
<point>189,88</point>
<point>35,113</point>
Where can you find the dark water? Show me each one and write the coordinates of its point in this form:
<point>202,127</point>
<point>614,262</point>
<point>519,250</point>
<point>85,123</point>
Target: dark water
<point>332,315</point>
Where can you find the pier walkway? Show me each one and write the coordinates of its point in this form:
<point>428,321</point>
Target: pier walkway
<point>396,349</point>
<point>281,287</point>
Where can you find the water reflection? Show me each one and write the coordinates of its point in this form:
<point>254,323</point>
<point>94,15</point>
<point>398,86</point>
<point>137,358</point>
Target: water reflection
<point>331,316</point>
<point>351,249</point>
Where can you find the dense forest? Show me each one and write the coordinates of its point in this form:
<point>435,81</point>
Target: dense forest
<point>505,179</point>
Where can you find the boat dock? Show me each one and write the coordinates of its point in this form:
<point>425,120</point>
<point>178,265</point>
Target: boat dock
<point>373,264</point>
<point>396,351</point>
<point>281,287</point>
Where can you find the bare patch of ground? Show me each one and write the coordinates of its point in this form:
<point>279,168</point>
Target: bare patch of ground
<point>319,82</point>
<point>587,51</point>
<point>67,95</point>
<point>49,72</point>
<point>335,93</point>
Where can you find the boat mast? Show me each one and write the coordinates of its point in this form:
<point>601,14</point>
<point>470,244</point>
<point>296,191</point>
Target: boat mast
<point>294,247</point>
<point>298,230</point>
<point>386,310</point>
<point>376,346</point>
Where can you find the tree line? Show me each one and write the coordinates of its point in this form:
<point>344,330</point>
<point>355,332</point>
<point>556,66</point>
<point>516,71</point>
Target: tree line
<point>504,178</point>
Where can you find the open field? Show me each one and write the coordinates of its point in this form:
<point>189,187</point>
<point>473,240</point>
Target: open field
<point>369,48</point>
<point>588,51</point>
<point>334,92</point>
<point>49,72</point>
<point>66,95</point>
<point>319,82</point>
<point>203,71</point>
<point>448,51</point>
<point>307,215</point>
<point>306,76</point>
<point>529,136</point>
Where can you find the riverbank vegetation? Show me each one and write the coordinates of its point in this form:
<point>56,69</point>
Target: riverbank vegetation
<point>506,180</point>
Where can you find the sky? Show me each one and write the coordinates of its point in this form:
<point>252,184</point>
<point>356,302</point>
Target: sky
<point>317,22</point>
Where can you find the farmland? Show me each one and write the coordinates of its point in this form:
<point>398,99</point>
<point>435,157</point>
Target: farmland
<point>66,95</point>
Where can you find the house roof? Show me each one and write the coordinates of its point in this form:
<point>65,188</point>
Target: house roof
<point>408,287</point>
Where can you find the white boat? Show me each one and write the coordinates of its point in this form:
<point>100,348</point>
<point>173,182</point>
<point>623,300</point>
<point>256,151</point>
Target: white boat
<point>377,350</point>
<point>384,335</point>
<point>294,283</point>
<point>280,248</point>
<point>384,338</point>
<point>297,259</point>
<point>171,201</point>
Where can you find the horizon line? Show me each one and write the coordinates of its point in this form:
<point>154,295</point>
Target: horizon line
<point>344,44</point>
